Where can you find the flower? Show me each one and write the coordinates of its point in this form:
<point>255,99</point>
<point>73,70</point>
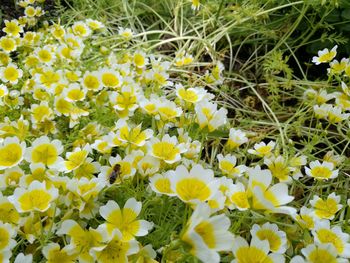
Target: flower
<point>207,235</point>
<point>125,220</point>
<point>7,234</point>
<point>279,168</point>
<point>8,213</point>
<point>75,159</point>
<point>110,78</point>
<point>257,251</point>
<point>126,33</point>
<point>236,139</point>
<point>325,55</point>
<point>196,185</point>
<point>227,165</point>
<point>190,95</point>
<point>127,170</point>
<point>80,29</point>
<point>321,171</point>
<point>209,116</point>
<point>277,239</point>
<point>195,4</point>
<point>45,151</point>
<point>326,209</point>
<point>11,152</point>
<point>271,198</point>
<point>238,197</point>
<point>306,218</point>
<point>166,149</point>
<point>8,44</point>
<point>140,60</point>
<point>11,73</point>
<point>160,183</point>
<point>12,28</point>
<point>92,81</point>
<point>36,198</point>
<point>321,253</point>
<point>262,149</point>
<point>94,24</point>
<point>54,254</point>
<point>323,234</point>
<point>115,249</point>
<point>81,240</point>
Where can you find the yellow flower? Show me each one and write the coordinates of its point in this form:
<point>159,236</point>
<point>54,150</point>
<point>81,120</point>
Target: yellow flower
<point>41,112</point>
<point>36,198</point>
<point>81,29</point>
<point>208,115</point>
<point>140,59</point>
<point>54,254</point>
<point>306,218</point>
<point>7,234</point>
<point>238,197</point>
<point>166,149</point>
<point>45,151</point>
<point>8,213</point>
<point>277,239</point>
<point>326,209</point>
<point>279,168</point>
<point>195,4</point>
<point>125,220</point>
<point>45,55</point>
<point>318,253</point>
<point>265,196</point>
<point>11,152</point>
<point>110,78</point>
<point>81,240</point>
<point>126,33</point>
<point>227,165</point>
<point>125,100</point>
<point>29,11</point>
<point>207,235</point>
<point>262,149</point>
<point>132,135</point>
<point>115,250</point>
<point>196,185</point>
<point>92,81</point>
<point>12,28</point>
<point>11,176</point>
<point>8,44</point>
<point>325,55</point>
<point>160,183</point>
<point>256,252</point>
<point>94,24</point>
<point>321,171</point>
<point>75,159</point>
<point>323,233</point>
<point>11,73</point>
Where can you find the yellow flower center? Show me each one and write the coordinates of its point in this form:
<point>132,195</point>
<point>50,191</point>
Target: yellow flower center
<point>321,256</point>
<point>11,74</point>
<point>192,188</point>
<point>321,172</point>
<point>165,151</point>
<point>251,255</point>
<point>327,236</point>
<point>45,153</point>
<point>206,231</point>
<point>37,199</point>
<point>10,155</point>
<point>272,237</point>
